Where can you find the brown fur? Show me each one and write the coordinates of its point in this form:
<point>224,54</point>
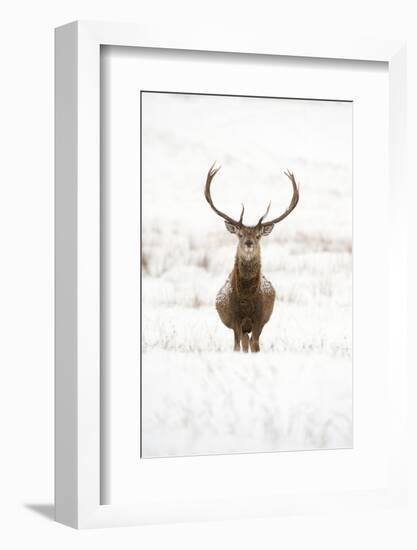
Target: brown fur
<point>246,301</point>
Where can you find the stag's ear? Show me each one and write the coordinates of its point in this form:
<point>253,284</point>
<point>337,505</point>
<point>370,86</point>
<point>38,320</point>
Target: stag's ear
<point>230,227</point>
<point>266,229</point>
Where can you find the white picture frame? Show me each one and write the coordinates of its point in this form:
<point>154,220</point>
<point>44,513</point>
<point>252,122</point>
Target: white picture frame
<point>77,392</point>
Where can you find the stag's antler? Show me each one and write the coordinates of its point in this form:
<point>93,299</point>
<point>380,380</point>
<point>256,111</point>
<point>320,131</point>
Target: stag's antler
<point>211,173</point>
<point>293,203</point>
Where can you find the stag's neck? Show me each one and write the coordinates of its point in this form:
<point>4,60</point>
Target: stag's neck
<point>248,269</point>
<point>247,274</point>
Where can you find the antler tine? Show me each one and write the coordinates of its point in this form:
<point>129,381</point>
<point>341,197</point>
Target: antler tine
<point>241,215</point>
<point>293,203</point>
<point>261,219</point>
<point>211,173</point>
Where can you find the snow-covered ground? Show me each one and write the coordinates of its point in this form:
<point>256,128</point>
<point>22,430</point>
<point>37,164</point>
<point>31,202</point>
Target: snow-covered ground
<point>198,396</point>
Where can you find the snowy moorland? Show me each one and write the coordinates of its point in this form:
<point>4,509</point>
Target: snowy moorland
<point>198,396</point>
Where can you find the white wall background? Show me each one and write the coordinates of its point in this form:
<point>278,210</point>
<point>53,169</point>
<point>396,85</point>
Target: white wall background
<point>26,299</point>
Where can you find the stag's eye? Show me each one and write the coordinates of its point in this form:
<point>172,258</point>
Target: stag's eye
<point>258,237</point>
<point>240,235</point>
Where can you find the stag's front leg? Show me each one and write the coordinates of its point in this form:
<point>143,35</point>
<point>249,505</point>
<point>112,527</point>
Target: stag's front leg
<point>254,340</point>
<point>245,342</point>
<point>237,340</point>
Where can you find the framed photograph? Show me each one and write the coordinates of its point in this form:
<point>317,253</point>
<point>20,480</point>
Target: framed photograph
<point>245,283</point>
<point>230,333</point>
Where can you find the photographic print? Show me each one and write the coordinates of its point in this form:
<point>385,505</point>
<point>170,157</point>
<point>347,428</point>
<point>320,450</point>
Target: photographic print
<point>246,274</point>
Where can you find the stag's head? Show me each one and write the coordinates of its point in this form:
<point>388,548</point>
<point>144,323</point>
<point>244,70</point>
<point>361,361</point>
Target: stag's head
<point>249,236</point>
<point>249,245</point>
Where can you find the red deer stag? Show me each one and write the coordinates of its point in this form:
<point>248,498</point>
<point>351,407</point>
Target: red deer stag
<point>246,300</point>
